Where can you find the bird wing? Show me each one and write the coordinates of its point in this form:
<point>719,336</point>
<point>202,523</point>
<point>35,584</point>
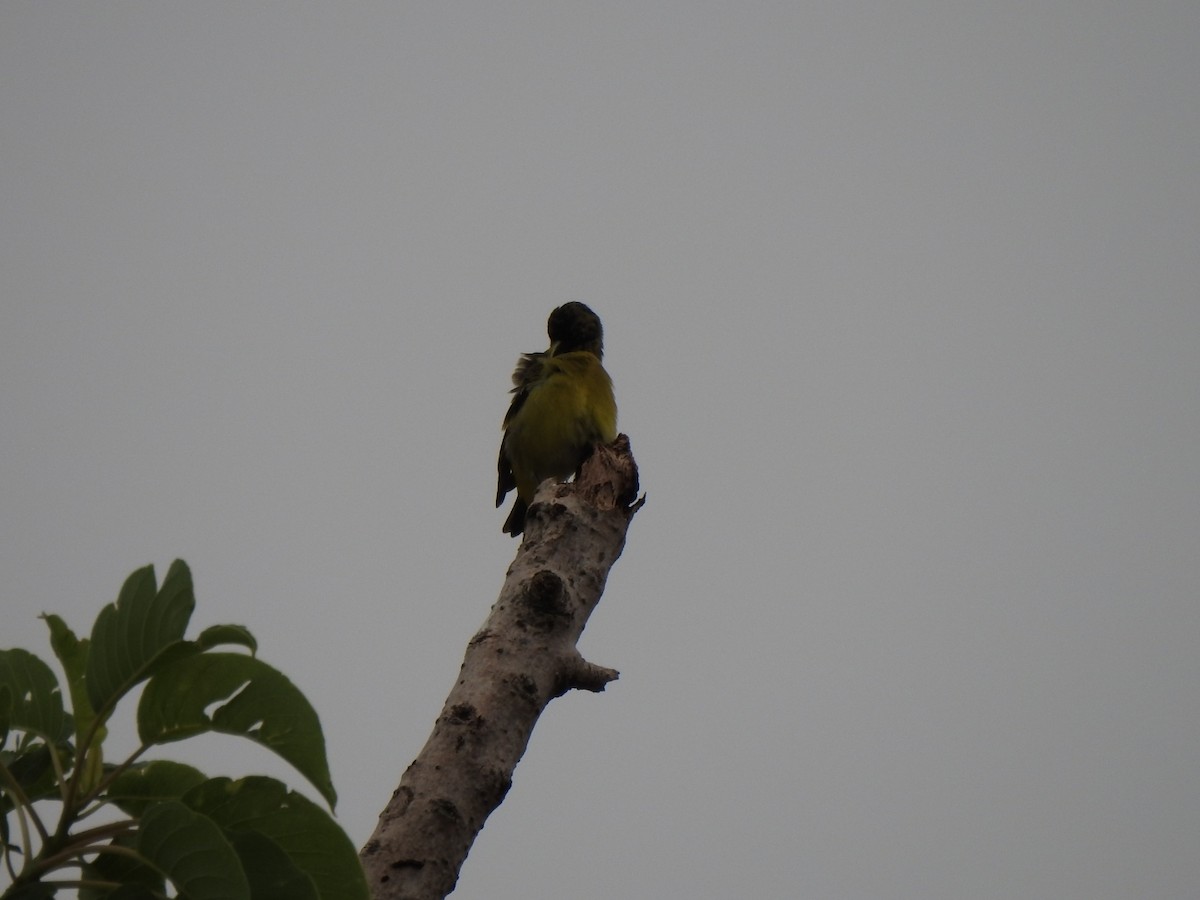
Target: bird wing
<point>527,373</point>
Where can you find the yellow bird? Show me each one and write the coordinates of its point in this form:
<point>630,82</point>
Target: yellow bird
<point>563,406</point>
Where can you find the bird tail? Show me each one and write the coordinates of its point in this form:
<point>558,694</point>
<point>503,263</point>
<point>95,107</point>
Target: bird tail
<point>515,523</point>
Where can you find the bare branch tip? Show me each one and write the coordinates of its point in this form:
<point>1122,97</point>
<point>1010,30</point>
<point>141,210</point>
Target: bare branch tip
<point>580,675</point>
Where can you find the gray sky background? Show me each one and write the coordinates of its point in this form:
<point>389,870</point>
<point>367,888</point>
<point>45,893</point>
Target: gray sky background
<point>901,306</point>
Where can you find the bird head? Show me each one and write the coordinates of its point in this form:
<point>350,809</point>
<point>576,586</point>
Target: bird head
<point>573,326</point>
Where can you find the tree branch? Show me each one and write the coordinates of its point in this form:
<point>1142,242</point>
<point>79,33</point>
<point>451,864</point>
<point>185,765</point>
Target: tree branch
<point>523,657</point>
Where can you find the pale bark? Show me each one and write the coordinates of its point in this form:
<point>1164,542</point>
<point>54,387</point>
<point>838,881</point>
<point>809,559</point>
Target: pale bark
<point>523,657</point>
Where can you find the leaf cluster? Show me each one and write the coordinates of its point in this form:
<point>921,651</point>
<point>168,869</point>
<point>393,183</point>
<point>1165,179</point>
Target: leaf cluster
<point>137,830</point>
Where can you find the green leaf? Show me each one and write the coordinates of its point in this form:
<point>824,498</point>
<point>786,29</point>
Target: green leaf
<point>246,697</point>
<point>33,891</point>
<point>216,635</point>
<point>192,851</point>
<point>33,770</point>
<point>132,892</point>
<point>6,707</point>
<point>73,654</point>
<point>136,877</point>
<point>309,836</point>
<point>272,874</point>
<point>139,633</point>
<point>145,783</point>
<point>37,703</point>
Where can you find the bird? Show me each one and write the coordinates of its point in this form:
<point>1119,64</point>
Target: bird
<point>562,406</point>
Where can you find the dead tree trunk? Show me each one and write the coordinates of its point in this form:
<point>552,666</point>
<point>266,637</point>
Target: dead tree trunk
<point>522,658</point>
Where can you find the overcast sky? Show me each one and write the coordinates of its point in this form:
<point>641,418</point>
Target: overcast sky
<point>901,305</point>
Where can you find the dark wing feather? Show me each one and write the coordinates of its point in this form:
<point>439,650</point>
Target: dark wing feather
<point>528,371</point>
